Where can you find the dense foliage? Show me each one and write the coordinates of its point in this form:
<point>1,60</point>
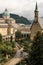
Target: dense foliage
<point>6,49</point>
<point>20,19</point>
<point>36,54</point>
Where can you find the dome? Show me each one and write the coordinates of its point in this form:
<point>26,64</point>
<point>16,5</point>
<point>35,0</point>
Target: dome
<point>6,14</point>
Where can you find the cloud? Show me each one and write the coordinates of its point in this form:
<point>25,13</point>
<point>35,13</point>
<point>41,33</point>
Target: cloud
<point>21,7</point>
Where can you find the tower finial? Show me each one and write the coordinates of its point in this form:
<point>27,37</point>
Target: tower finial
<point>36,13</point>
<point>36,8</point>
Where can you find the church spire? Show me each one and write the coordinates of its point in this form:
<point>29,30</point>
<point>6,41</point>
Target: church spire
<point>36,8</point>
<point>36,13</point>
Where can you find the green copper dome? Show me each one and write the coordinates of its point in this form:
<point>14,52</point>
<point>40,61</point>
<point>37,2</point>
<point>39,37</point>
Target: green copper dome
<point>6,13</point>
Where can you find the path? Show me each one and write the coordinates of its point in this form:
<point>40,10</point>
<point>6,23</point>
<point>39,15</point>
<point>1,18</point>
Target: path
<point>16,59</point>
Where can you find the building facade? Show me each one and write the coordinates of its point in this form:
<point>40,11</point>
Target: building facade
<point>6,27</point>
<point>37,25</point>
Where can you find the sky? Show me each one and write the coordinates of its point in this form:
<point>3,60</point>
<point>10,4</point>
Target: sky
<point>22,7</point>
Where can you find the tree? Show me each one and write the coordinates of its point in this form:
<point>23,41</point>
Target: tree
<point>26,46</point>
<point>0,38</point>
<point>41,45</point>
<point>36,53</point>
<point>13,44</point>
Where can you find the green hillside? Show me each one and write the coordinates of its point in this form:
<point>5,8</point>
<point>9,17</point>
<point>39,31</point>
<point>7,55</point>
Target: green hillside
<point>19,19</point>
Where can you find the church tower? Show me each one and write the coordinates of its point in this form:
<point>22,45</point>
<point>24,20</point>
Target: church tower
<point>36,13</point>
<point>35,26</point>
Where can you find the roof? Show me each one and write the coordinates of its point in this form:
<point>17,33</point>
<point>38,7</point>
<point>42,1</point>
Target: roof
<point>40,20</point>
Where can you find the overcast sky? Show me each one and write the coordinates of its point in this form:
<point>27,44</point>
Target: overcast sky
<point>22,7</point>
